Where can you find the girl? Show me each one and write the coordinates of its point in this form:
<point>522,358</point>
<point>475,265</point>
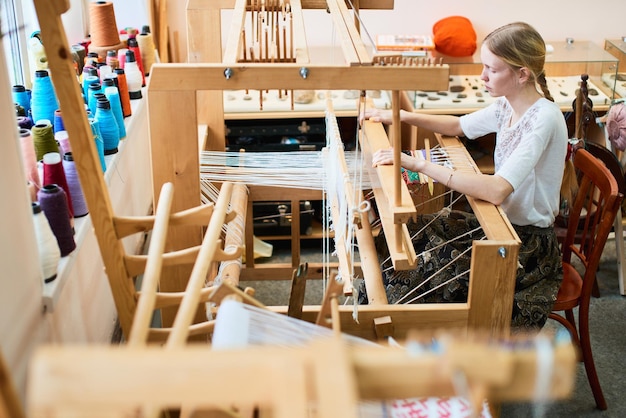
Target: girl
<point>530,151</point>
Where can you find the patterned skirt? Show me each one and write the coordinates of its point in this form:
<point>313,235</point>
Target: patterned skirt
<point>443,245</point>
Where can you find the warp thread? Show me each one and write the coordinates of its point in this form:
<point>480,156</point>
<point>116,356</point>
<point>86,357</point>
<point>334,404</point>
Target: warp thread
<point>43,101</point>
<point>95,129</point>
<point>53,173</point>
<point>47,246</point>
<point>73,182</point>
<point>54,203</point>
<point>124,93</point>
<point>146,46</point>
<point>109,130</point>
<point>43,139</point>
<point>30,158</point>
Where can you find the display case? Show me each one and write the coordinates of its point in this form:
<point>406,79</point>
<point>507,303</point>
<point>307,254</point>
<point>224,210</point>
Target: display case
<point>617,48</point>
<point>565,62</point>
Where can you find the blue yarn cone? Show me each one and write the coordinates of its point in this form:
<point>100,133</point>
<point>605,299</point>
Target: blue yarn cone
<point>108,126</point>
<point>44,101</point>
<point>113,95</point>
<point>95,128</point>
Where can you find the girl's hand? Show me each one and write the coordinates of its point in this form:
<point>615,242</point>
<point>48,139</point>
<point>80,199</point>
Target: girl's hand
<point>382,157</point>
<point>378,115</point>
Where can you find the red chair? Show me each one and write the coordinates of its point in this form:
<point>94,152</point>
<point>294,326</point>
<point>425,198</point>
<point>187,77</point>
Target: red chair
<point>591,218</point>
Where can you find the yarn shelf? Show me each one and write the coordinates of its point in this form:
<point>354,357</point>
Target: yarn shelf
<point>83,226</point>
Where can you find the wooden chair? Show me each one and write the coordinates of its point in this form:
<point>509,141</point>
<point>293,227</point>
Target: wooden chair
<point>599,198</point>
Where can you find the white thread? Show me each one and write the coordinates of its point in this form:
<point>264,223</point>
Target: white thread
<point>47,245</point>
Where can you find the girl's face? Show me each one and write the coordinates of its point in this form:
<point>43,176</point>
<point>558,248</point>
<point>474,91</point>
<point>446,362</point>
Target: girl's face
<point>499,78</point>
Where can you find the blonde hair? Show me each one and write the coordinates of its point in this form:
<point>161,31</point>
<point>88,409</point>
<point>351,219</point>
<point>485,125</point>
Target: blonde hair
<point>519,45</point>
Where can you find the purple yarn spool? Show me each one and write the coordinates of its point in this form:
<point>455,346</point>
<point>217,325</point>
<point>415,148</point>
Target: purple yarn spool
<point>53,202</point>
<point>24,122</point>
<point>73,182</point>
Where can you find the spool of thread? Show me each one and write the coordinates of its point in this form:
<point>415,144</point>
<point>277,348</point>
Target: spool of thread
<point>133,76</point>
<point>95,129</point>
<point>134,46</point>
<point>112,60</point>
<point>103,28</point>
<point>124,93</point>
<point>113,95</point>
<point>76,191</point>
<point>22,97</point>
<point>57,124</point>
<point>54,204</point>
<point>24,122</point>
<point>63,139</point>
<point>91,57</point>
<point>104,70</point>
<point>108,126</point>
<point>146,46</point>
<point>36,53</point>
<point>43,139</point>
<point>121,56</point>
<point>29,158</point>
<point>88,81</point>
<point>81,53</point>
<point>44,101</point>
<point>94,89</point>
<point>19,110</point>
<point>53,173</point>
<point>47,245</point>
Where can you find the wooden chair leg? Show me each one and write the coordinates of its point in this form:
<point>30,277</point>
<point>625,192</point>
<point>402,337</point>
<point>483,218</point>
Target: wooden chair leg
<point>587,354</point>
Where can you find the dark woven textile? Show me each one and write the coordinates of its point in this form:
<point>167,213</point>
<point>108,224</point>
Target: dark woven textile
<point>442,255</point>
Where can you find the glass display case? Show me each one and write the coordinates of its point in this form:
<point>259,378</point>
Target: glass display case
<point>617,48</point>
<point>566,61</point>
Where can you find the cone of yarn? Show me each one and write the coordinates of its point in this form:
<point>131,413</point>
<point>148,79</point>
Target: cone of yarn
<point>54,173</point>
<point>103,28</point>
<point>108,126</point>
<point>112,60</point>
<point>77,196</point>
<point>94,88</point>
<point>43,101</point>
<point>24,122</point>
<point>58,121</point>
<point>63,139</point>
<point>124,94</point>
<point>95,129</point>
<point>121,56</point>
<point>30,158</point>
<point>54,203</point>
<point>47,245</point>
<point>21,96</point>
<point>43,139</point>
<point>133,76</point>
<point>146,46</point>
<point>134,46</point>
<point>81,52</point>
<point>113,95</point>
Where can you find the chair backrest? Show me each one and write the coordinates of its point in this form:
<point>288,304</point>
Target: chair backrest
<point>612,163</point>
<point>597,201</point>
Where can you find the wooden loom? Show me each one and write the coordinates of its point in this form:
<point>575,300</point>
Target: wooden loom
<point>174,152</point>
<point>186,238</point>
